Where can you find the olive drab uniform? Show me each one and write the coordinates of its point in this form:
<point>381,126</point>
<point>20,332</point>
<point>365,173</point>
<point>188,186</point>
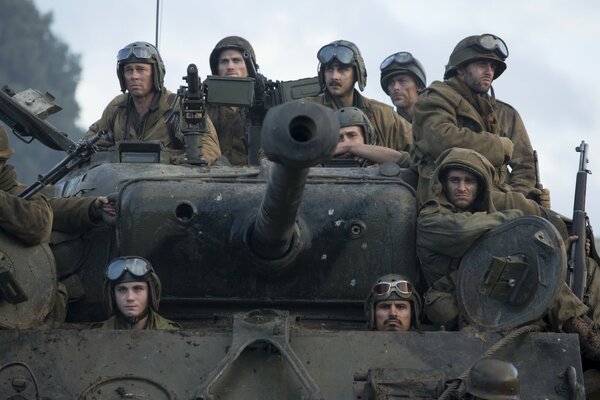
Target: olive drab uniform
<point>231,123</point>
<point>29,220</point>
<point>445,233</point>
<point>72,214</point>
<point>521,177</point>
<point>391,130</point>
<point>155,321</point>
<point>448,114</point>
<point>159,123</point>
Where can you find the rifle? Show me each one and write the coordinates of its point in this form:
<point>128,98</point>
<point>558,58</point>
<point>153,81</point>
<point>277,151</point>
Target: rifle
<point>576,273</point>
<point>80,154</point>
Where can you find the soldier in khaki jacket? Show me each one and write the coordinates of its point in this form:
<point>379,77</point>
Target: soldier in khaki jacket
<point>459,112</point>
<point>233,56</point>
<point>341,67</point>
<point>148,111</point>
<point>460,212</point>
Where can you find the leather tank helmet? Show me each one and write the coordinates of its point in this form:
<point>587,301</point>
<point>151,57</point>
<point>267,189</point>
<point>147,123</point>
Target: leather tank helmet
<point>234,43</point>
<point>393,293</point>
<point>478,47</point>
<point>402,63</point>
<point>352,116</point>
<point>143,53</point>
<point>131,269</point>
<point>346,53</point>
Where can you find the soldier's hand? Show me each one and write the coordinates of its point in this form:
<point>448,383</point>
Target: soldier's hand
<point>507,147</point>
<point>540,196</point>
<point>103,204</point>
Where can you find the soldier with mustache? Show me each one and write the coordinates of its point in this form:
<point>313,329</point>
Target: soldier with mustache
<point>341,67</point>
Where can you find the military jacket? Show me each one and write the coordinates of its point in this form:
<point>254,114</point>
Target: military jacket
<point>448,114</point>
<point>155,321</point>
<point>72,214</point>
<point>29,220</point>
<point>159,123</point>
<point>391,130</point>
<point>521,177</point>
<point>230,123</point>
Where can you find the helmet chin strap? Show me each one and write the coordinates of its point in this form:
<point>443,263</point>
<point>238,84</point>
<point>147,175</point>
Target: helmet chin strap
<point>134,320</point>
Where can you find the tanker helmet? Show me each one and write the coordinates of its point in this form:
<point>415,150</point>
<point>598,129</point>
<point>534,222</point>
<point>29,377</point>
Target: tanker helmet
<point>493,379</point>
<point>5,150</point>
<point>131,269</point>
<point>143,53</point>
<point>352,116</point>
<point>402,63</point>
<point>234,43</point>
<point>346,53</point>
<point>477,47</point>
<point>395,287</point>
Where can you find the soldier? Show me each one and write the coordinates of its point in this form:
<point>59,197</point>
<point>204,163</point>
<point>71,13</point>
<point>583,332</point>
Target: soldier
<point>393,304</point>
<point>341,67</point>
<point>459,112</point>
<point>232,56</point>
<point>132,293</point>
<point>357,140</point>
<point>148,111</point>
<point>460,212</point>
<point>28,220</point>
<point>493,379</point>
<point>33,220</point>
<point>403,79</point>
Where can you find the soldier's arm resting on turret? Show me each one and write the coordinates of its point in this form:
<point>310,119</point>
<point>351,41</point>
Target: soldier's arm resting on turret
<point>29,220</point>
<point>74,214</point>
<point>374,154</point>
<point>435,129</point>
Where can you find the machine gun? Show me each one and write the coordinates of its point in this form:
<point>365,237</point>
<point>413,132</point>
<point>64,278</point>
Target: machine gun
<point>193,116</point>
<point>78,155</point>
<point>576,273</point>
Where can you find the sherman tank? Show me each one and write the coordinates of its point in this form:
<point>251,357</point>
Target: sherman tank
<point>267,268</point>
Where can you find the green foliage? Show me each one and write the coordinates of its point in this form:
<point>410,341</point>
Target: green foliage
<point>32,57</point>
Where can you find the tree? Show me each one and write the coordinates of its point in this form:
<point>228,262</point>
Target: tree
<point>32,57</point>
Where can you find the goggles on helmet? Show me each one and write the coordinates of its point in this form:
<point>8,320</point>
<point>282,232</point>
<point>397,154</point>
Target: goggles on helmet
<point>138,51</point>
<point>136,266</point>
<point>384,289</point>
<point>490,42</point>
<point>343,54</point>
<point>402,58</point>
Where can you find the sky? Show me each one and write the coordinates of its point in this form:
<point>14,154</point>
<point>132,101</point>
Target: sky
<point>551,79</point>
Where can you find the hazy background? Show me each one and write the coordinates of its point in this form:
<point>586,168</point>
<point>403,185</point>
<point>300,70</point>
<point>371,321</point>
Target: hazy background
<point>552,77</point>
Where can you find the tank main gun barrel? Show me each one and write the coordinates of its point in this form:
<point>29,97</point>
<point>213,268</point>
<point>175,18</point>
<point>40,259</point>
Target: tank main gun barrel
<point>295,136</point>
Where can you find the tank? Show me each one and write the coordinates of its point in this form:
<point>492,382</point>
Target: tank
<point>267,269</point>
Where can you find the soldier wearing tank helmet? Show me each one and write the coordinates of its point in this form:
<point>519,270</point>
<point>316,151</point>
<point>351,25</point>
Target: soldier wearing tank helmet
<point>403,79</point>
<point>462,111</point>
<point>356,140</point>
<point>393,304</point>
<point>132,294</point>
<point>233,56</point>
<point>146,110</point>
<point>341,67</point>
